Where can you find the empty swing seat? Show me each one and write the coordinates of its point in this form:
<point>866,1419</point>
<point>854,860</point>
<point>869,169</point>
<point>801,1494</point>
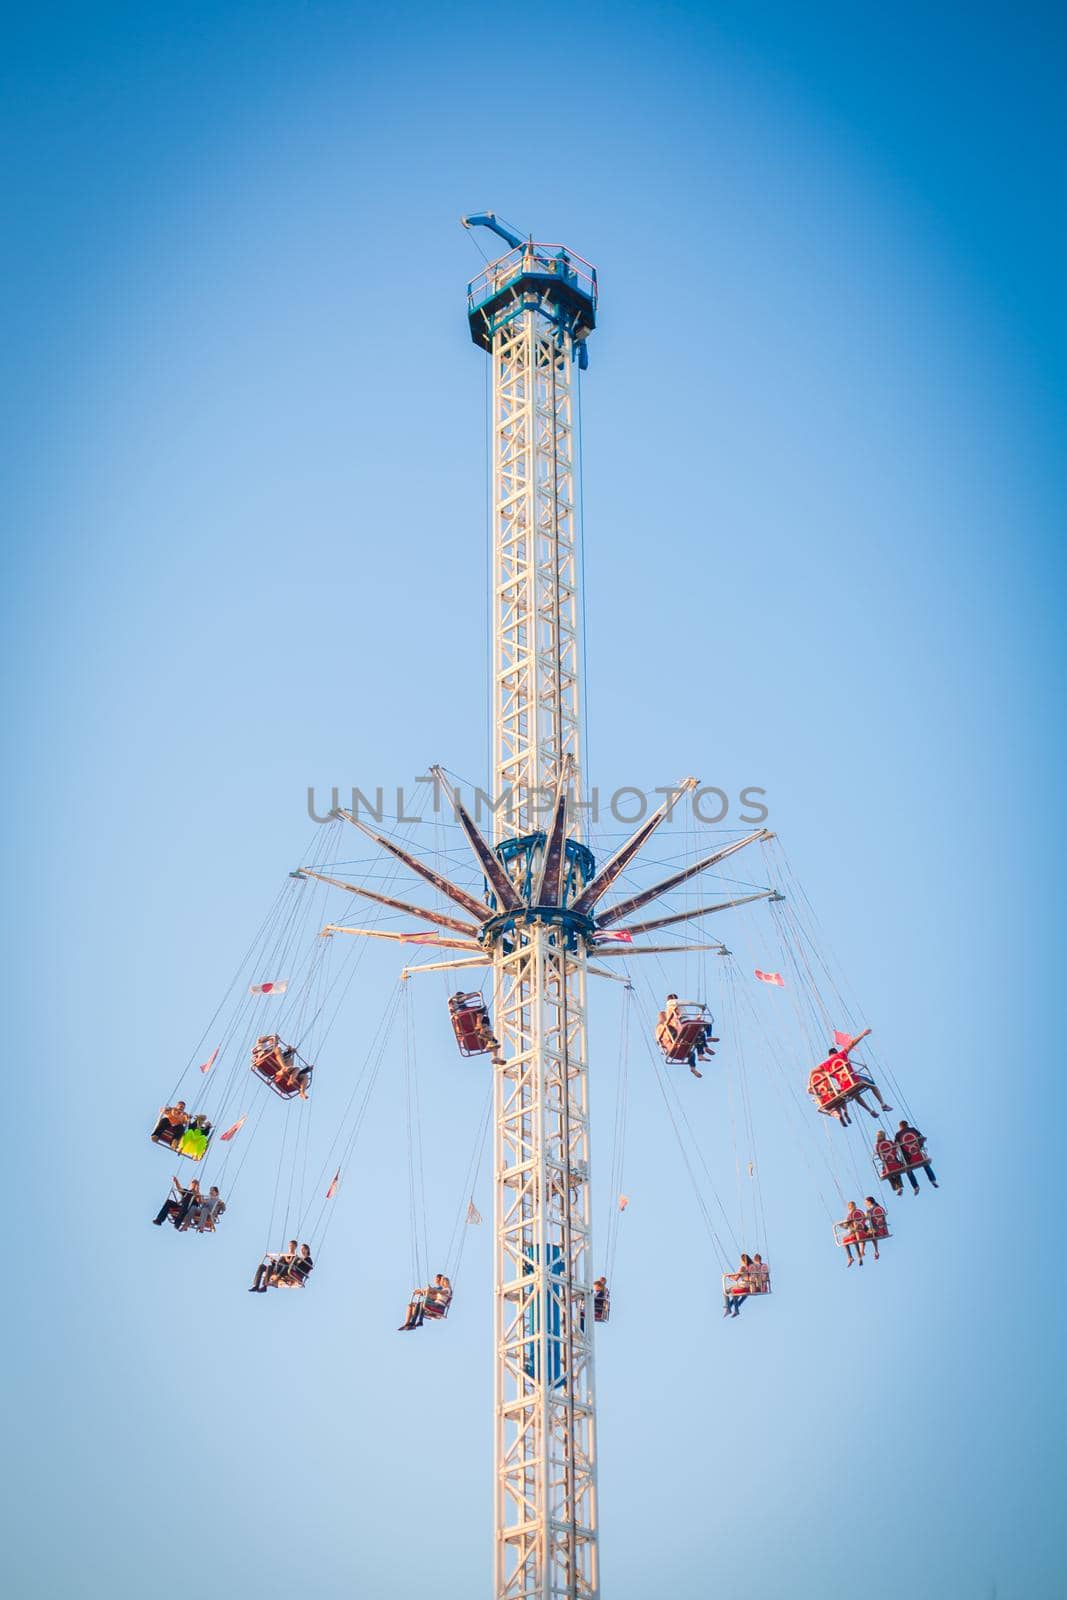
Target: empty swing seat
<point>471,1024</point>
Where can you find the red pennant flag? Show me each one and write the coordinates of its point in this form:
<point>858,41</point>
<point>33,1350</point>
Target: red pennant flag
<point>238,1125</point>
<point>771,977</point>
<point>843,1041</point>
<point>212,1058</point>
<point>332,1190</point>
<point>269,988</point>
<point>614,936</point>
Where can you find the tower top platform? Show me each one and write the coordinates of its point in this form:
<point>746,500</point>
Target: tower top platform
<point>533,276</point>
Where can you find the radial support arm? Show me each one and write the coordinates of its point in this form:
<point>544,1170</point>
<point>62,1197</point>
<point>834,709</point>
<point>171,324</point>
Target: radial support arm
<point>657,949</point>
<point>494,872</point>
<point>448,966</point>
<point>398,905</point>
<point>550,888</point>
<point>623,856</point>
<point>636,901</point>
<point>477,908</point>
<point>402,938</point>
<point>691,916</point>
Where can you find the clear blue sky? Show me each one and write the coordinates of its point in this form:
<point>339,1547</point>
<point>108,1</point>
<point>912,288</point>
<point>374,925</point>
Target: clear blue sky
<point>825,493</point>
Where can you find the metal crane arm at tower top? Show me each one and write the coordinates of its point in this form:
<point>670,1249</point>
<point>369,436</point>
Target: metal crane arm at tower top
<point>489,219</point>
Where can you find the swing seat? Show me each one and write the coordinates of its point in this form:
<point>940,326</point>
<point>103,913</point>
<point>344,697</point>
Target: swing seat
<point>434,1309</point>
<point>281,1076</point>
<point>911,1154</point>
<point>852,1232</point>
<point>835,1082</point>
<point>169,1140</point>
<point>471,1024</point>
<point>193,1143</point>
<point>859,1230</point>
<point>754,1282</point>
<point>291,1279</point>
<point>887,1161</point>
<point>210,1215</point>
<point>602,1308</point>
<point>689,1027</point>
<point>878,1228</point>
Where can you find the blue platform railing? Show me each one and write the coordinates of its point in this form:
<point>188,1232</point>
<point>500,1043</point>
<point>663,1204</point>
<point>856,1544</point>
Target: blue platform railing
<point>550,262</point>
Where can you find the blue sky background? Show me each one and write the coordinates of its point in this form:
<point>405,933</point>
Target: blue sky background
<point>825,486</point>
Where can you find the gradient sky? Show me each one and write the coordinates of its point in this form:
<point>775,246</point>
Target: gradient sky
<point>824,497</point>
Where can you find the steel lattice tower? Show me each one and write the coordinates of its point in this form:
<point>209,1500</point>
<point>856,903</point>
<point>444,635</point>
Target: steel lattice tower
<point>531,311</point>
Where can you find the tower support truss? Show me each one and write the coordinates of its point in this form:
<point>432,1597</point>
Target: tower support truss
<point>531,312</point>
<point>536,618</point>
<point>545,1396</point>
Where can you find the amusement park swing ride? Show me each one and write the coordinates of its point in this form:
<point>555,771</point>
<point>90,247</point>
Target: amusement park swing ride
<point>543,918</point>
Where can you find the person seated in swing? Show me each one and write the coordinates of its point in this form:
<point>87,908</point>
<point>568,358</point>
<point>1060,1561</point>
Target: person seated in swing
<point>761,1275</point>
<point>877,1223</point>
<point>437,1294</point>
<point>838,1079</point>
<point>671,1025</point>
<point>734,1297</point>
<point>302,1266</point>
<point>471,1024</point>
<point>205,1213</point>
<point>413,1315</point>
<point>273,1267</point>
<point>176,1206</point>
<point>267,1057</point>
<point>912,1147</point>
<point>279,1064</point>
<point>855,1232</point>
<point>601,1300</point>
<point>438,1297</point>
<point>172,1123</point>
<point>888,1157</point>
<point>290,1077</point>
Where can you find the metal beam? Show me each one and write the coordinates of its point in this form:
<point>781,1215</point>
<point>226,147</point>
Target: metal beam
<point>624,907</point>
<point>477,908</point>
<point>636,842</point>
<point>398,905</point>
<point>689,916</point>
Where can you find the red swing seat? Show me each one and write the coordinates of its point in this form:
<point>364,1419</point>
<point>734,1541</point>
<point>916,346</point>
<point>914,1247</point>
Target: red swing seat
<point>283,1077</point>
<point>471,1024</point>
<point>688,1027</point>
<point>834,1082</point>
